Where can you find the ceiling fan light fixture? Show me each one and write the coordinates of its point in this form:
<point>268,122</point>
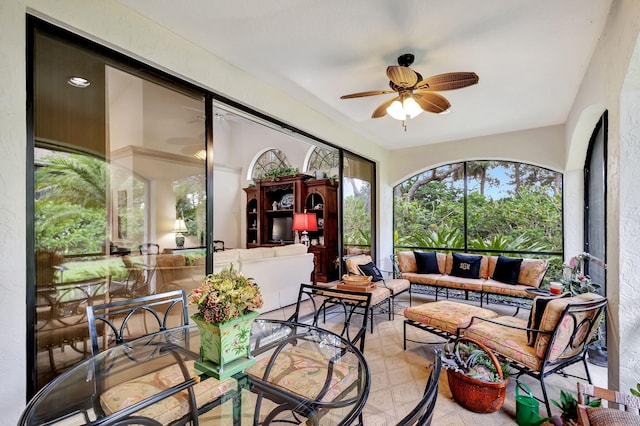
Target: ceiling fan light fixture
<point>408,108</point>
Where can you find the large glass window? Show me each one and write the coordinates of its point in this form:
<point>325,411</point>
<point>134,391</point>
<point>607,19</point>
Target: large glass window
<point>358,184</point>
<point>482,207</point>
<point>114,171</point>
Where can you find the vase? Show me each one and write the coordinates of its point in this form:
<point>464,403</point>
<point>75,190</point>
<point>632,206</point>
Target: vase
<point>225,347</point>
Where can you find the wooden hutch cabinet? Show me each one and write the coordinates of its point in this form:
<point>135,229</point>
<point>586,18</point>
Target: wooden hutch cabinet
<point>269,217</point>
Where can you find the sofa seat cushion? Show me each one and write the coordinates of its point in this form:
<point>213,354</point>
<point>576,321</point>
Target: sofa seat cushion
<point>427,279</point>
<point>396,285</point>
<point>445,315</point>
<point>379,294</point>
<point>449,281</point>
<point>171,408</point>
<point>304,370</point>
<point>516,290</point>
<point>510,342</point>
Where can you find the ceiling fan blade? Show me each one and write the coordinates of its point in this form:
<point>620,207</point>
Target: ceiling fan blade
<point>369,93</point>
<point>448,81</point>
<point>432,102</point>
<point>402,76</point>
<point>381,111</point>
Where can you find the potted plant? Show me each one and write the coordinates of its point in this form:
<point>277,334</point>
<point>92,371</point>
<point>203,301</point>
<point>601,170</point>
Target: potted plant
<point>475,376</point>
<point>227,303</point>
<point>569,406</point>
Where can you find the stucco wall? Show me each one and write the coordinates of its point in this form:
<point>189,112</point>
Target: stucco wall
<point>542,147</point>
<point>601,89</point>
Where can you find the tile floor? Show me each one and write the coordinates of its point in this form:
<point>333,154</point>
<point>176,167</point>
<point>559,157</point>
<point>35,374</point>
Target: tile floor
<point>398,377</point>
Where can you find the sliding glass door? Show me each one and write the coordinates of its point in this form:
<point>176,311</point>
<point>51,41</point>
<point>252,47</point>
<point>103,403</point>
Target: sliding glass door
<point>119,197</point>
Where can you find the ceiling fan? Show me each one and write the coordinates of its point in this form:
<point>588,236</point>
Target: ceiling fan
<point>415,94</point>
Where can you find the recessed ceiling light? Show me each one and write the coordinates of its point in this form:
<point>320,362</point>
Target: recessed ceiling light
<point>201,155</point>
<point>76,81</point>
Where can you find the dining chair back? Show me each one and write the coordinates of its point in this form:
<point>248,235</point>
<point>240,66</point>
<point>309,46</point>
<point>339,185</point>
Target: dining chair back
<point>350,308</point>
<point>218,245</point>
<point>422,413</point>
<point>125,320</point>
<point>627,412</point>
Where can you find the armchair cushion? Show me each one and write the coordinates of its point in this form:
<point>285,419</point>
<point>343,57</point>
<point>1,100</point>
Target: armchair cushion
<point>466,266</point>
<point>427,262</point>
<point>352,263</point>
<point>507,269</point>
<point>535,316</point>
<point>600,416</point>
<point>566,329</point>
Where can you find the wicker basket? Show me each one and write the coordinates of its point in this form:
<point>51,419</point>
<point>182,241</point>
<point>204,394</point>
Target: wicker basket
<point>357,280</point>
<point>477,395</point>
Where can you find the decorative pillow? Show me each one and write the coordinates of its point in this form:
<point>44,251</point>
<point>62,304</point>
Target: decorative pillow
<point>427,262</point>
<point>535,316</point>
<point>600,416</point>
<point>507,269</point>
<point>371,270</point>
<point>465,266</point>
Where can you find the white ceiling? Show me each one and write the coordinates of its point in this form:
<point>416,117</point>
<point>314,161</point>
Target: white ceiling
<point>530,55</point>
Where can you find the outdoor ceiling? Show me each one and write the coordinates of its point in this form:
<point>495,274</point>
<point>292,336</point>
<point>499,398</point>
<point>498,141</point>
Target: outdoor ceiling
<point>531,56</point>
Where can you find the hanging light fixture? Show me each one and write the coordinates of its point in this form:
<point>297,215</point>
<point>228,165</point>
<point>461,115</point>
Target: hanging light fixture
<point>404,108</point>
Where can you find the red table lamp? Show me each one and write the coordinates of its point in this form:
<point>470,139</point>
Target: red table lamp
<point>304,222</point>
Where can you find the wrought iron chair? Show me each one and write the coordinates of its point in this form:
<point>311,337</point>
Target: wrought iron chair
<point>61,317</point>
<point>137,282</point>
<point>129,319</point>
<point>558,341</point>
<point>324,369</point>
<point>218,245</point>
<point>422,414</point>
<point>149,248</point>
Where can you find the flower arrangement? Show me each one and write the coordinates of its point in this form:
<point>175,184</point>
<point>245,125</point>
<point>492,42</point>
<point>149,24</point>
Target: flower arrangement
<point>225,296</point>
<point>574,279</point>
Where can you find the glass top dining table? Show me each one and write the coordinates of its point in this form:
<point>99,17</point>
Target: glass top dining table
<point>303,375</point>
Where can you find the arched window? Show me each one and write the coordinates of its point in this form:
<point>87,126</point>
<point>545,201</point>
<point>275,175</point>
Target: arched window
<point>482,207</point>
<point>269,160</point>
<point>323,160</point>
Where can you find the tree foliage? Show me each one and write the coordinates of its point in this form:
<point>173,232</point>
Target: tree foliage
<point>509,207</point>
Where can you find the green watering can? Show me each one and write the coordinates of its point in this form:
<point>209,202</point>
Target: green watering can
<point>527,407</point>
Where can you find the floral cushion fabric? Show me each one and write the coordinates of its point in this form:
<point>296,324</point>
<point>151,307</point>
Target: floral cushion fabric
<point>511,342</point>
<point>353,262</point>
<point>396,285</point>
<point>565,332</point>
<point>303,370</point>
<point>445,315</point>
<point>532,271</point>
<point>171,408</point>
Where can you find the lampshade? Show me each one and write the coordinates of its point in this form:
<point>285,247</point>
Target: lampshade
<point>179,226</point>
<point>403,108</point>
<point>304,222</point>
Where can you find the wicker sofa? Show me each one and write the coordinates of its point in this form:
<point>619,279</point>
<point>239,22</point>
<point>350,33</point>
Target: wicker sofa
<point>529,276</point>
